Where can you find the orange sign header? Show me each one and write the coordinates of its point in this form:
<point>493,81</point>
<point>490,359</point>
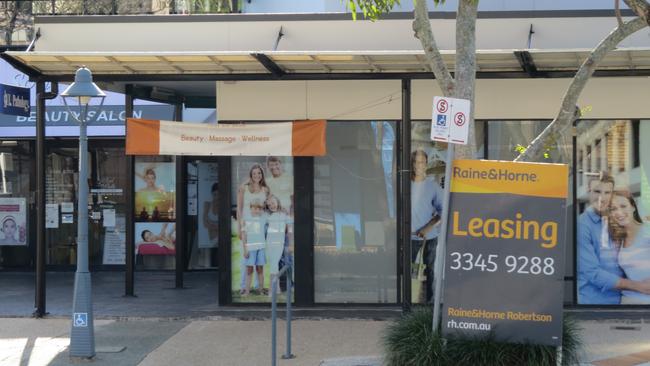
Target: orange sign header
<point>291,138</point>
<point>527,179</point>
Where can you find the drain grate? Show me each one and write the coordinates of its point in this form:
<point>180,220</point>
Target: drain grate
<point>625,327</point>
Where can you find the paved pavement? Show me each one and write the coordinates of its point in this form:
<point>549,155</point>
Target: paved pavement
<point>165,326</point>
<point>226,341</point>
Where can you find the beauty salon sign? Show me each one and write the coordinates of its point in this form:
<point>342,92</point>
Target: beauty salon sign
<point>297,138</point>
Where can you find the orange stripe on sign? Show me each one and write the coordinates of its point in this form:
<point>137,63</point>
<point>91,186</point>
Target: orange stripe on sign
<point>142,136</point>
<point>308,138</point>
<point>527,179</point>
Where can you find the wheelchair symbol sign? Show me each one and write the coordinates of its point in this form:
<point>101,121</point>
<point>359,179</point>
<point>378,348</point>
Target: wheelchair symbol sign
<point>80,319</point>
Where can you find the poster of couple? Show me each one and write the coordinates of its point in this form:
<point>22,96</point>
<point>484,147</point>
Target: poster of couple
<point>613,246</point>
<point>613,228</point>
<point>262,225</point>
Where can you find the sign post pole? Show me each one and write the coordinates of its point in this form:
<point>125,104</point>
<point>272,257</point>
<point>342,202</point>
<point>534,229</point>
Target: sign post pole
<point>448,124</point>
<point>439,265</point>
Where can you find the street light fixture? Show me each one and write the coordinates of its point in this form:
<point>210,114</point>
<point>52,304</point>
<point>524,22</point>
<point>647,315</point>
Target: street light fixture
<point>79,95</point>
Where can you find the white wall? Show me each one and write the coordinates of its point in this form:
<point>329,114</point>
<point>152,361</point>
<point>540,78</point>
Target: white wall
<point>312,35</point>
<point>496,99</point>
<point>289,100</point>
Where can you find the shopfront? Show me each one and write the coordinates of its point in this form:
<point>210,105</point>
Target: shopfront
<point>355,221</point>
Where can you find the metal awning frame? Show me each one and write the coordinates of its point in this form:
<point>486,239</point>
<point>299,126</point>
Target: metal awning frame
<point>315,65</point>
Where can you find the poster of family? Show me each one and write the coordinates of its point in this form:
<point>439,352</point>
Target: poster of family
<point>613,245</point>
<point>13,218</point>
<point>262,225</point>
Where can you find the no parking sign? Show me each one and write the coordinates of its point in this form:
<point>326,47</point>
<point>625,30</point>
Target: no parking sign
<point>450,122</point>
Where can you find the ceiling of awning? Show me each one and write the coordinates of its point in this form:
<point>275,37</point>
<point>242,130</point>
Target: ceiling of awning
<point>287,63</point>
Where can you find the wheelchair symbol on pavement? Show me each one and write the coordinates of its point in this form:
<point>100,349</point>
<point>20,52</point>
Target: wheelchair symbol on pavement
<point>80,319</point>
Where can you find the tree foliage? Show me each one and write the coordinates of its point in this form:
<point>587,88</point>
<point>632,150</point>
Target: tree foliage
<point>15,16</point>
<point>462,85</point>
<point>374,9</point>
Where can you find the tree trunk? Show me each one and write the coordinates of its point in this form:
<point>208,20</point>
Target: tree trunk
<point>465,71</point>
<point>463,85</point>
<point>567,113</point>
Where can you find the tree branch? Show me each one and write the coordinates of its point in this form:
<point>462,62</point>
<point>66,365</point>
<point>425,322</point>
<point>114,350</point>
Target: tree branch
<point>423,32</point>
<point>640,8</point>
<point>566,115</point>
<point>617,11</point>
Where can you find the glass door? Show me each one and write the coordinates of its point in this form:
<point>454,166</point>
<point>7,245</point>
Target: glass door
<point>16,205</point>
<point>202,220</point>
<point>106,204</point>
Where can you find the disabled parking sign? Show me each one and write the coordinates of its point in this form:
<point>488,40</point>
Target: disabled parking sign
<point>80,319</point>
<point>449,121</point>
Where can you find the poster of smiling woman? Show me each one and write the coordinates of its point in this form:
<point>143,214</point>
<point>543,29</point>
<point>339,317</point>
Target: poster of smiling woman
<point>13,221</point>
<point>154,190</point>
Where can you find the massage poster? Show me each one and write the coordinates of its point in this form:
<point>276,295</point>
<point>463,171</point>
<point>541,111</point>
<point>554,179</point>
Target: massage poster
<point>155,238</point>
<point>262,225</point>
<point>13,214</point>
<point>504,263</point>
<point>155,186</point>
<point>613,213</point>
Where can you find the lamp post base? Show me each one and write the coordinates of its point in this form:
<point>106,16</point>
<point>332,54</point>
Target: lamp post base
<point>82,334</point>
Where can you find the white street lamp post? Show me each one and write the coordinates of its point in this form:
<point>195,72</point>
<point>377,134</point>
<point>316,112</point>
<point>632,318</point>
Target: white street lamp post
<point>82,335</point>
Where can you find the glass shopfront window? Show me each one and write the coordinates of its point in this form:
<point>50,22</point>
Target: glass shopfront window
<point>355,251</point>
<point>106,204</point>
<point>203,213</point>
<point>16,204</point>
<point>427,186</point>
<point>506,139</point>
<point>613,222</point>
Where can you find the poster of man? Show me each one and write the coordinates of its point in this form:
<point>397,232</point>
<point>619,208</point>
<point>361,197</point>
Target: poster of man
<point>427,178</point>
<point>13,221</point>
<point>208,204</point>
<point>262,224</point>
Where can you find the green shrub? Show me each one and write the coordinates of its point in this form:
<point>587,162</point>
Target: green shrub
<point>409,341</point>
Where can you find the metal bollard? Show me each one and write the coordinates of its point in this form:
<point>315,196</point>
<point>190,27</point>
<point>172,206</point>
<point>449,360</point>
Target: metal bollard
<point>274,308</point>
<point>287,355</point>
<point>274,288</point>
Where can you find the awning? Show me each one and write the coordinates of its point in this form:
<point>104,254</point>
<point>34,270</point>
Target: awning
<point>535,63</point>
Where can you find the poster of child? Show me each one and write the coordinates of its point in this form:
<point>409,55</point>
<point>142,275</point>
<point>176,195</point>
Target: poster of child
<point>13,230</point>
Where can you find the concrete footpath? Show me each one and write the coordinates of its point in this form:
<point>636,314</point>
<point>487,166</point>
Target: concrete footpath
<point>221,341</point>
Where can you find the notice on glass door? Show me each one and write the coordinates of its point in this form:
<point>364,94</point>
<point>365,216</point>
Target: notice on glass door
<point>109,217</point>
<point>114,247</point>
<point>52,215</point>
